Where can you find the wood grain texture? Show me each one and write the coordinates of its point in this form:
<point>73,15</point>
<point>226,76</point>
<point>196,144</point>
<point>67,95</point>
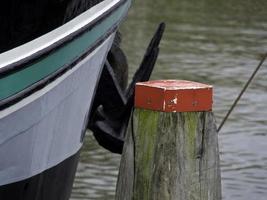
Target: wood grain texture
<point>176,157</point>
<point>124,189</point>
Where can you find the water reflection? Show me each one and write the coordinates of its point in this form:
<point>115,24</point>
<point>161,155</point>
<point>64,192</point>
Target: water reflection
<point>216,42</point>
<point>97,172</point>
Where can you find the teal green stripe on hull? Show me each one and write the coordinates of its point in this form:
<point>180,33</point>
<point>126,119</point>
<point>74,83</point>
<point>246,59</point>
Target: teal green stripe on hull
<point>20,80</point>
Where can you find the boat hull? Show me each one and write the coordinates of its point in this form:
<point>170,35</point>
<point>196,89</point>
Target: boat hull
<point>22,20</point>
<point>44,132</point>
<point>53,184</point>
<point>47,87</point>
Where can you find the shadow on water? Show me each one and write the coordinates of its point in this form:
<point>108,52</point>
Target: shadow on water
<point>215,42</point>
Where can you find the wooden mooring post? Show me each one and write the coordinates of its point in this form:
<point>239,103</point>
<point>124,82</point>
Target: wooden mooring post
<point>171,148</point>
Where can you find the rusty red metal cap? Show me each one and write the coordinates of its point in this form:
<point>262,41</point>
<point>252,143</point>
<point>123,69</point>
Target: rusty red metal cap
<point>173,96</point>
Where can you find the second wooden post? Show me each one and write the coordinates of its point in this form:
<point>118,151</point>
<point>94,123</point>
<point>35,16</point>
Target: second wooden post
<point>171,150</point>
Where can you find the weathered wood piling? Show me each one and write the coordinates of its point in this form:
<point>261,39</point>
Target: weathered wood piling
<point>171,148</point>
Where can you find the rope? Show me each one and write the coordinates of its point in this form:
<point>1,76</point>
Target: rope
<point>242,91</point>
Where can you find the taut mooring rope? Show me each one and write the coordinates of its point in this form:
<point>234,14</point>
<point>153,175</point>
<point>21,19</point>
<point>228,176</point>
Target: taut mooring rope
<point>242,91</point>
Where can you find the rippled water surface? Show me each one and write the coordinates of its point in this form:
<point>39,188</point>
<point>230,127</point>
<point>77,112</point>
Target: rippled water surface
<point>217,42</point>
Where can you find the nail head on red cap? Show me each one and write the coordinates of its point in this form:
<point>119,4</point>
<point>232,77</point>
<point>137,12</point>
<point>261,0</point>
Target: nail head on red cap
<point>173,96</point>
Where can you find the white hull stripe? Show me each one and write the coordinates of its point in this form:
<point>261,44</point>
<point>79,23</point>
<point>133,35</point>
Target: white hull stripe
<point>21,79</point>
<point>55,36</point>
<point>45,128</point>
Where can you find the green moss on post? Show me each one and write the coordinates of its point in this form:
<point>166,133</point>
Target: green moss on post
<point>170,156</point>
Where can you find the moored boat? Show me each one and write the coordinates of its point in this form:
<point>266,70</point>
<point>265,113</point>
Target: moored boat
<point>48,78</point>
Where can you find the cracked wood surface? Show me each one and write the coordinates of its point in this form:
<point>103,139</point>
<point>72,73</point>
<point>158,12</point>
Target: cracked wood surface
<point>170,156</point>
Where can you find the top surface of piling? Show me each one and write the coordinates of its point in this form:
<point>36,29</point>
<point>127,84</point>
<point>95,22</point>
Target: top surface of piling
<point>173,96</point>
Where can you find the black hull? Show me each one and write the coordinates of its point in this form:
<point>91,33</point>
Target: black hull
<point>52,184</point>
<point>24,20</point>
<point>49,122</point>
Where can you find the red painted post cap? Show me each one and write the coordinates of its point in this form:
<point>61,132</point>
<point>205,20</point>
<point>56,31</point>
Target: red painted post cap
<point>173,96</point>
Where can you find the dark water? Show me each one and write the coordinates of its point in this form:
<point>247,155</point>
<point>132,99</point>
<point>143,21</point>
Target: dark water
<point>217,42</point>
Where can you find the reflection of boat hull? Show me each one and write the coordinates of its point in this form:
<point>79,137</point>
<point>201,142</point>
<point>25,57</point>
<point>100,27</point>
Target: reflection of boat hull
<point>45,107</point>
